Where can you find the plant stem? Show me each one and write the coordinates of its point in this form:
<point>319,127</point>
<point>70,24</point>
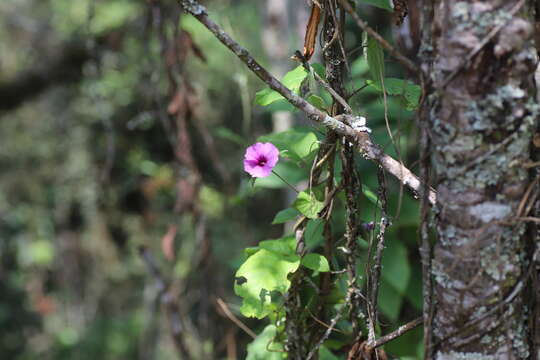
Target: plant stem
<point>285,181</point>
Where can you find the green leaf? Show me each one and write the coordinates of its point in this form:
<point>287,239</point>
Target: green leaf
<point>262,273</point>
<point>251,250</point>
<point>396,268</point>
<point>359,66</point>
<point>284,247</point>
<point>317,101</point>
<point>293,80</point>
<point>308,205</point>
<point>285,215</point>
<point>370,195</point>
<point>383,4</point>
<point>414,290</point>
<point>390,301</point>
<point>316,262</point>
<point>375,58</point>
<point>264,347</point>
<point>313,234</point>
<point>400,87</point>
<point>319,69</point>
<point>325,354</point>
<point>299,142</point>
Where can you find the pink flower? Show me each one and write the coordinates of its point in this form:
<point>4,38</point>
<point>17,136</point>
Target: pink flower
<point>260,159</point>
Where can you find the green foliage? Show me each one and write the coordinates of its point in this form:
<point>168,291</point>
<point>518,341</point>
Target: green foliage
<point>290,171</point>
<point>318,102</point>
<point>264,272</point>
<point>264,347</point>
<point>307,204</point>
<point>375,58</point>
<point>398,87</point>
<point>314,233</point>
<point>293,80</point>
<point>316,262</point>
<point>396,268</point>
<point>325,354</point>
<point>296,144</point>
<point>383,4</point>
<point>285,215</point>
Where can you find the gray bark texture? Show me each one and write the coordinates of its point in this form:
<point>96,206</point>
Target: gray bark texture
<point>482,122</point>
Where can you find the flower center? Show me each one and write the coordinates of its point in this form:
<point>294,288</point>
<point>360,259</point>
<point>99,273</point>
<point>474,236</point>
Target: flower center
<point>261,161</point>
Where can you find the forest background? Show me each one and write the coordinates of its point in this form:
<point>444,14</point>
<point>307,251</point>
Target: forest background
<point>124,207</point>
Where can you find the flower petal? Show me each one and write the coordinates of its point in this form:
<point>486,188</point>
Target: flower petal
<point>271,153</point>
<point>252,152</point>
<point>253,155</point>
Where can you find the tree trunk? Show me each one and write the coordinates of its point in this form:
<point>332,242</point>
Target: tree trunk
<point>482,117</point>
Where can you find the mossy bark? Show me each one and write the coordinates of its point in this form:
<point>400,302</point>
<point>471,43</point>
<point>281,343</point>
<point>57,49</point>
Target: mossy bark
<point>481,125</point>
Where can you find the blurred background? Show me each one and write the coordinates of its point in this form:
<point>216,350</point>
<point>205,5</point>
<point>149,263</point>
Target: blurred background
<point>124,208</point>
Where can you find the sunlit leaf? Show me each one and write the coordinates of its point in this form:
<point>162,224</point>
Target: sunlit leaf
<point>308,205</point>
<point>262,273</point>
<point>316,262</point>
<point>264,347</point>
<point>292,80</point>
<point>284,247</point>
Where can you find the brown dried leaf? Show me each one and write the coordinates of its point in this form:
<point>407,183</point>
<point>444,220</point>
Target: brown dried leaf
<point>312,28</point>
<point>167,243</point>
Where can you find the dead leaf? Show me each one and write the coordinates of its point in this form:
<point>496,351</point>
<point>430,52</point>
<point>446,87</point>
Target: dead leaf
<point>167,243</point>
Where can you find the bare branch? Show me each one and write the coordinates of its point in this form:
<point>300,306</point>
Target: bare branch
<point>398,332</point>
<point>228,313</point>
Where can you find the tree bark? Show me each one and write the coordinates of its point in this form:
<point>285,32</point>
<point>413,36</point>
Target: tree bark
<point>483,114</point>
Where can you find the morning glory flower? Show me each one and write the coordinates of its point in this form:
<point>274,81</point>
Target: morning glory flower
<point>260,159</point>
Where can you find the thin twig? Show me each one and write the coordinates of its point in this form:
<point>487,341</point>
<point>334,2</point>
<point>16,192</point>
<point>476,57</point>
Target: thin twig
<point>375,270</point>
<point>375,35</point>
<point>225,308</point>
<point>482,44</point>
<point>325,335</point>
<point>370,150</point>
<point>397,333</point>
<point>285,181</point>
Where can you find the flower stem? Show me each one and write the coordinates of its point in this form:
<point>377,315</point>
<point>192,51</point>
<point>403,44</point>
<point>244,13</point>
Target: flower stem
<point>285,181</point>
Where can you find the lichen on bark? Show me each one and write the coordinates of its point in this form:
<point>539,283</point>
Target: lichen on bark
<point>482,122</point>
